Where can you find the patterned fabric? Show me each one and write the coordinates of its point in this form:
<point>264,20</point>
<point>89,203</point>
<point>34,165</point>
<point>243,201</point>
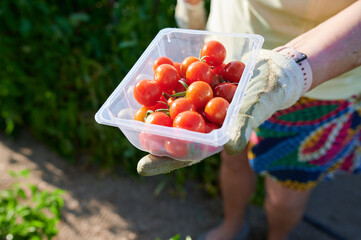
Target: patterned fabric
<point>308,142</point>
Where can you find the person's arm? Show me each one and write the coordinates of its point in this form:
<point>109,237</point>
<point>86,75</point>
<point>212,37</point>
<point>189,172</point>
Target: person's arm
<point>334,46</point>
<point>190,14</point>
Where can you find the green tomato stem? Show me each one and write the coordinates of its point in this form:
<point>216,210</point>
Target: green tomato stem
<point>165,110</point>
<point>183,83</point>
<point>180,94</point>
<point>148,113</point>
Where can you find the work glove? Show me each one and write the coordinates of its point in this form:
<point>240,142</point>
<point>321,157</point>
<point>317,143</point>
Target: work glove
<point>277,83</point>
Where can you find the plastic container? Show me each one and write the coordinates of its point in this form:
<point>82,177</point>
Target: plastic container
<point>177,44</point>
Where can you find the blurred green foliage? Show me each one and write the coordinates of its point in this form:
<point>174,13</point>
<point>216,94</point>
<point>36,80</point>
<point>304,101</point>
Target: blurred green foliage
<point>59,62</point>
<point>29,216</point>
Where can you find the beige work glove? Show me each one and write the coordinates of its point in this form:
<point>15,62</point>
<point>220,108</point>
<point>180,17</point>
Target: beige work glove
<point>277,83</point>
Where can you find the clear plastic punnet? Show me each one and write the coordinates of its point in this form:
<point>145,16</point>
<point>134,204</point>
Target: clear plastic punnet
<point>177,44</point>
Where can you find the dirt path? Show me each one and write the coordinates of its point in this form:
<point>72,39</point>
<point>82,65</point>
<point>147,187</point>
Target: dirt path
<point>106,207</point>
<point>109,207</point>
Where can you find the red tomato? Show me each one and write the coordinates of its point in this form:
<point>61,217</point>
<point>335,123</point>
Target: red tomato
<point>210,127</point>
<point>159,118</point>
<point>213,53</point>
<point>161,104</point>
<point>162,60</point>
<point>216,80</point>
<point>225,90</point>
<point>140,114</point>
<point>199,93</point>
<point>190,120</point>
<point>167,77</point>
<point>180,105</point>
<point>170,100</point>
<point>233,71</point>
<point>199,71</point>
<point>177,66</point>
<point>147,92</point>
<point>202,113</point>
<point>216,110</point>
<point>176,148</point>
<point>185,63</point>
<point>151,143</point>
<point>219,69</point>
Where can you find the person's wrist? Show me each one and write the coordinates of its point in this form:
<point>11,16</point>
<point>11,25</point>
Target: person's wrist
<point>302,61</point>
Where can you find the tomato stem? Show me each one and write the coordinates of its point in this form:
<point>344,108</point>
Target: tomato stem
<point>179,94</point>
<point>202,58</point>
<point>166,95</point>
<point>148,113</point>
<point>165,110</point>
<point>183,83</point>
<point>163,103</point>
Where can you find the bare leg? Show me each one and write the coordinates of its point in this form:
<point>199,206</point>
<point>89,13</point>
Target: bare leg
<point>284,208</point>
<point>237,181</point>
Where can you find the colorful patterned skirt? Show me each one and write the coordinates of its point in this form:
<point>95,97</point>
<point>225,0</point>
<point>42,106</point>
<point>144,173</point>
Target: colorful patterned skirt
<point>311,141</point>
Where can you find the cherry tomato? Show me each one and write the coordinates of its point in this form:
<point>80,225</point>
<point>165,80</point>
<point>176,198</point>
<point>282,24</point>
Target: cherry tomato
<point>170,100</point>
<point>159,118</point>
<point>233,71</point>
<point>199,93</point>
<point>213,53</point>
<point>177,66</point>
<point>176,148</point>
<point>162,60</point>
<point>151,143</point>
<point>210,127</point>
<point>216,110</point>
<point>140,114</point>
<point>199,71</point>
<point>225,90</point>
<point>190,120</point>
<point>216,80</point>
<point>180,105</point>
<point>202,113</point>
<point>167,77</point>
<point>185,63</point>
<point>161,104</point>
<point>219,69</point>
<point>147,92</point>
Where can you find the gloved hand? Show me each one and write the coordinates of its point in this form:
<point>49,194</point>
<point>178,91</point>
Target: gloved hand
<point>277,83</point>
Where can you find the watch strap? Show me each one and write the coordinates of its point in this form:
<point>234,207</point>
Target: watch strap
<point>301,60</point>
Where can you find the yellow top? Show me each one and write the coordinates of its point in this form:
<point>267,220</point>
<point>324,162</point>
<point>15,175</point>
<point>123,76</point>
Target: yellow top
<point>279,21</point>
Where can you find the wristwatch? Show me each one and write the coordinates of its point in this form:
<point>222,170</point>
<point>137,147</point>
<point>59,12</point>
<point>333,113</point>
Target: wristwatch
<point>301,60</point>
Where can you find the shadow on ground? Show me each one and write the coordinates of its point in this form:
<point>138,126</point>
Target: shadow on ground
<point>99,206</point>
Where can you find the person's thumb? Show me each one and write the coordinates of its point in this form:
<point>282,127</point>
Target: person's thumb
<point>151,165</point>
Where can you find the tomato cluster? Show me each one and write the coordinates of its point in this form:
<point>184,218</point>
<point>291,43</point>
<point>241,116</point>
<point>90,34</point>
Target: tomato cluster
<point>193,94</point>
